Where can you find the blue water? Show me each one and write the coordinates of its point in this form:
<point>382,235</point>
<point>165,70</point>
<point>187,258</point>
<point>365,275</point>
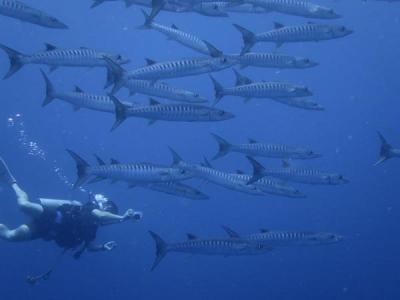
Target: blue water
<point>357,82</point>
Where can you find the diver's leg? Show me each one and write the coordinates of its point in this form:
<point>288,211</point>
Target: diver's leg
<point>20,234</point>
<point>54,204</point>
<point>32,209</point>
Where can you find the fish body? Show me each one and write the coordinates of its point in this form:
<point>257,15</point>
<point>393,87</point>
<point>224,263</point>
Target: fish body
<point>235,181</point>
<point>296,8</point>
<point>177,189</point>
<point>182,68</point>
<point>301,103</point>
<point>257,149</point>
<point>187,39</point>
<point>18,10</point>
<point>56,57</point>
<point>299,175</point>
<point>224,247</point>
<point>132,173</point>
<point>281,34</point>
<point>181,112</point>
<point>162,90</point>
<point>274,60</point>
<point>272,238</point>
<point>245,8</point>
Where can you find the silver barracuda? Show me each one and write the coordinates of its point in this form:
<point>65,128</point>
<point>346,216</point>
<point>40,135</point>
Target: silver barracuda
<point>177,189</point>
<point>194,245</point>
<point>235,181</point>
<point>273,238</point>
<point>255,148</point>
<point>296,8</point>
<point>300,175</point>
<point>176,112</point>
<point>187,39</point>
<point>248,89</point>
<point>273,60</point>
<point>79,99</point>
<point>387,151</point>
<point>57,57</point>
<point>19,10</point>
<point>139,173</point>
<point>281,34</point>
<point>170,69</point>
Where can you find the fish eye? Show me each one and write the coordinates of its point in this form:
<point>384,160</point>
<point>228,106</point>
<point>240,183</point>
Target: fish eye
<point>224,60</point>
<point>342,28</point>
<point>215,7</point>
<point>221,113</point>
<point>307,61</point>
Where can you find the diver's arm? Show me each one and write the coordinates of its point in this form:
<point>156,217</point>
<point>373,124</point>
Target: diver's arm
<point>106,218</point>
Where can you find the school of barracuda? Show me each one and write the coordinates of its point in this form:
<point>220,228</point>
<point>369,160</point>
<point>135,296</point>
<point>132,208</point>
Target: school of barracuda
<point>190,106</point>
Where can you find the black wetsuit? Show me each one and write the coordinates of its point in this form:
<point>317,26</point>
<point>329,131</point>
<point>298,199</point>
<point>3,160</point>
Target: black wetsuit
<point>70,226</point>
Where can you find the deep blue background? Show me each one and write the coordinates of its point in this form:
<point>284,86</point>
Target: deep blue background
<point>357,82</point>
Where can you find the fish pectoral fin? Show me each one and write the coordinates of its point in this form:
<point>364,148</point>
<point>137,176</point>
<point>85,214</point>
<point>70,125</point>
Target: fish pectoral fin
<point>151,122</point>
<point>76,108</point>
<point>52,68</point>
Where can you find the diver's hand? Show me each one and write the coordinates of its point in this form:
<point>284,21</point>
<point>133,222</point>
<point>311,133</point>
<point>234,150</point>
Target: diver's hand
<point>109,246</point>
<point>132,215</point>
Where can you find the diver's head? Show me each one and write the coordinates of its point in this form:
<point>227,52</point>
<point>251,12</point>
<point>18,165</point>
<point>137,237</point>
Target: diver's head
<point>105,204</point>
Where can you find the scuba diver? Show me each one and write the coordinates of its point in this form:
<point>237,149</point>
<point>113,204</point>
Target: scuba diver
<point>70,224</point>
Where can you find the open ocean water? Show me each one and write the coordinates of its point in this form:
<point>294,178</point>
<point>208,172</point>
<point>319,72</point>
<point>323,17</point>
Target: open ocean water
<point>358,84</point>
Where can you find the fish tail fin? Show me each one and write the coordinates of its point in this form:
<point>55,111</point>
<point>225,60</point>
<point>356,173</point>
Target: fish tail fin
<point>224,146</point>
<point>81,166</point>
<point>218,90</point>
<point>156,7</point>
<point>97,3</point>
<point>385,150</point>
<point>176,158</point>
<point>15,60</point>
<point>161,249</point>
<point>214,51</point>
<point>115,75</point>
<point>50,91</point>
<point>147,21</point>
<point>129,3</point>
<point>258,170</point>
<point>241,79</point>
<point>120,112</point>
<point>248,38</point>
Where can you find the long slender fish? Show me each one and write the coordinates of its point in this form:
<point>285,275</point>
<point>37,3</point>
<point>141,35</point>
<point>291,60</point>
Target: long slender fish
<point>387,151</point>
<point>79,99</point>
<point>177,189</point>
<point>187,39</point>
<point>273,238</point>
<point>300,175</point>
<point>139,173</point>
<point>156,111</point>
<point>262,89</point>
<point>274,60</point>
<point>296,8</point>
<point>18,10</point>
<point>310,32</point>
<point>254,148</point>
<point>162,90</point>
<point>170,69</point>
<point>167,6</point>
<point>235,181</point>
<point>225,247</point>
<point>57,57</point>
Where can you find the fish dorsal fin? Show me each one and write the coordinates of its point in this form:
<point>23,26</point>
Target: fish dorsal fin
<point>150,61</point>
<point>114,161</point>
<point>231,233</point>
<point>278,25</point>
<point>207,163</point>
<point>153,102</point>
<point>78,89</point>
<point>50,47</point>
<point>84,48</point>
<point>263,230</point>
<point>252,141</point>
<point>173,26</point>
<point>240,172</point>
<point>99,160</point>
<point>241,79</point>
<point>191,236</point>
<point>311,23</point>
<point>285,164</point>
